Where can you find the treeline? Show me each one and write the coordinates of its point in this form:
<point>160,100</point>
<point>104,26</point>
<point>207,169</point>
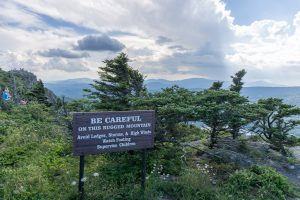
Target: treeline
<point>120,87</point>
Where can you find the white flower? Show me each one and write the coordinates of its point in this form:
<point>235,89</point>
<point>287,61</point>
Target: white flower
<point>292,167</point>
<point>16,191</point>
<point>83,179</point>
<point>95,174</point>
<point>73,183</point>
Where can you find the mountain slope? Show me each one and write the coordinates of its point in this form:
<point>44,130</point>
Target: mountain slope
<point>19,82</point>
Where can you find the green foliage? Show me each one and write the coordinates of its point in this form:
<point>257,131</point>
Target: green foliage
<point>38,93</point>
<point>292,141</point>
<point>32,112</point>
<point>117,85</point>
<point>219,108</point>
<point>257,183</point>
<point>78,105</point>
<point>172,106</point>
<point>192,185</point>
<point>6,105</point>
<point>274,121</point>
<point>239,113</point>
<point>170,157</point>
<point>36,161</point>
<point>237,83</point>
<point>216,85</point>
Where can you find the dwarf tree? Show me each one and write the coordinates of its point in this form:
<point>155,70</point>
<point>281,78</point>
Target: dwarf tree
<point>275,121</point>
<point>38,93</point>
<point>118,83</point>
<point>173,105</point>
<point>240,111</point>
<point>237,83</point>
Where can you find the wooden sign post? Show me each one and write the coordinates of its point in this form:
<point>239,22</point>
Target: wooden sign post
<point>105,132</point>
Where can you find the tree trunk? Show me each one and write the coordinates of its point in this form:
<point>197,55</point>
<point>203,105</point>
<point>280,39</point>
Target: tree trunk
<point>213,138</point>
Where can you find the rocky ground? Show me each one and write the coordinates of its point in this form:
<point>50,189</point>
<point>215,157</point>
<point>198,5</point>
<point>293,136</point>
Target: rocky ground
<point>247,153</point>
<point>296,152</point>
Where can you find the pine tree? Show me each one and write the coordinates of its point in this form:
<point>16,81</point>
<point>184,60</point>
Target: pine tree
<point>117,85</point>
<point>38,93</point>
<point>237,116</point>
<point>275,120</point>
<point>237,83</point>
<point>216,85</point>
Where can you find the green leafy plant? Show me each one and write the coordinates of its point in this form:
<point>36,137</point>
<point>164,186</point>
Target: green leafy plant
<point>258,182</point>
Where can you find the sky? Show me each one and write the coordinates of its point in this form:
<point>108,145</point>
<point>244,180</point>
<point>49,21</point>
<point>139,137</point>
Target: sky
<point>169,39</point>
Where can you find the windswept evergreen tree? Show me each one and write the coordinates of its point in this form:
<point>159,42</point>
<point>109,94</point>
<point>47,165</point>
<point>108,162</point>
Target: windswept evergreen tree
<point>275,120</point>
<point>240,111</point>
<point>173,105</point>
<point>237,83</point>
<point>216,85</point>
<point>38,93</point>
<point>118,83</point>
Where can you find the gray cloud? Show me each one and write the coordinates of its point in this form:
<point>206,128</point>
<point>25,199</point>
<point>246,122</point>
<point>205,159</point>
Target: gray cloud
<point>177,47</point>
<point>99,43</point>
<point>197,62</point>
<point>62,53</point>
<point>64,65</point>
<point>163,40</point>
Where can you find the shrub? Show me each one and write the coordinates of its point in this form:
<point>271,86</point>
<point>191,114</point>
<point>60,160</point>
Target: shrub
<point>192,185</point>
<point>257,182</point>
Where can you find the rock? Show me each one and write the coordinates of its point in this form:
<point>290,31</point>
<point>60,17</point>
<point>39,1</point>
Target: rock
<point>223,155</point>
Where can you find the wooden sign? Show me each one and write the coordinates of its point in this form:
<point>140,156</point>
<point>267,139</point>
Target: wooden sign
<point>103,132</point>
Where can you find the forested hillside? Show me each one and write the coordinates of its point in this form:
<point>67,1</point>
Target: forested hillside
<point>215,162</point>
<point>21,85</point>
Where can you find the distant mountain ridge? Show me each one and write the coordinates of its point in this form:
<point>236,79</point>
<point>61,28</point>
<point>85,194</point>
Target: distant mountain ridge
<point>73,88</point>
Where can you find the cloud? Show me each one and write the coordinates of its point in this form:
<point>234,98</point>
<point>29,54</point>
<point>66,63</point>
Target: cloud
<point>62,53</point>
<point>99,43</point>
<point>178,47</point>
<point>163,40</point>
<point>268,49</point>
<point>65,65</point>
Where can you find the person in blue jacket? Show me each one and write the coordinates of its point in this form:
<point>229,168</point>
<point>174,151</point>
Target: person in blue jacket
<point>6,96</point>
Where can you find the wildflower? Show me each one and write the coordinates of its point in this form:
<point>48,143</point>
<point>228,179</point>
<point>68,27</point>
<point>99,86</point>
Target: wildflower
<point>73,183</point>
<point>83,179</point>
<point>22,189</point>
<point>16,191</point>
<point>95,174</point>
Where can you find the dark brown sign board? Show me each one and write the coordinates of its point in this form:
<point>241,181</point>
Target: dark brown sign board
<point>102,132</point>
